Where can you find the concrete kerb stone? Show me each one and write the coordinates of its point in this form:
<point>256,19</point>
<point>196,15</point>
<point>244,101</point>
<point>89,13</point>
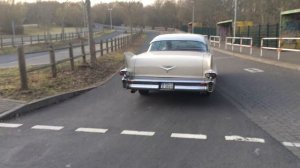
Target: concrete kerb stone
<point>261,60</point>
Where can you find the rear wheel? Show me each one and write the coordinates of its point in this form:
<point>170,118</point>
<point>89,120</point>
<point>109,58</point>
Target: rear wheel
<point>144,92</point>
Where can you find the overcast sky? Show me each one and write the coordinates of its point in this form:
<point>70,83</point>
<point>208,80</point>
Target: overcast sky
<point>145,2</point>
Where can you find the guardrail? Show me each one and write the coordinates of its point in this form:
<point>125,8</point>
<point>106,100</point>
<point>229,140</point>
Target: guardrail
<point>215,40</point>
<point>230,41</point>
<point>279,48</point>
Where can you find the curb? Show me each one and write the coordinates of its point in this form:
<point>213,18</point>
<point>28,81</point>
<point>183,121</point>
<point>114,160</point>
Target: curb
<point>261,60</point>
<point>48,101</point>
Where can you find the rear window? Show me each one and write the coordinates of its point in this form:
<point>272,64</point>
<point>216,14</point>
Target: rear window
<point>179,45</point>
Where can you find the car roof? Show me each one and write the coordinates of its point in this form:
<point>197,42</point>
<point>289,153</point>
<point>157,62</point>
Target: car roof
<point>188,37</point>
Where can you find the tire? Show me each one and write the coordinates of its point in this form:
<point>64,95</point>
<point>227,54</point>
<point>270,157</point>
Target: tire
<point>144,92</point>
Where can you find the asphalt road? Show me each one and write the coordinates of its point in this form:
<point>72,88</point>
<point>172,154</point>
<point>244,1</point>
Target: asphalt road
<point>42,58</point>
<point>115,113</point>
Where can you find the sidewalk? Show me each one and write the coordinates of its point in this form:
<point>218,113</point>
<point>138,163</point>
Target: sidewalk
<point>286,57</point>
<point>6,104</point>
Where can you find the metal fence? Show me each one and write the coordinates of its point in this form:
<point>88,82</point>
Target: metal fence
<point>254,32</point>
<point>202,30</point>
<point>12,41</point>
<point>259,32</point>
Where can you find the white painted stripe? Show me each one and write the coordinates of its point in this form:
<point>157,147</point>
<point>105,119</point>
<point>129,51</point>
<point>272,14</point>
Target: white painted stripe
<point>188,136</point>
<point>140,133</point>
<point>291,144</point>
<point>10,125</point>
<point>253,70</point>
<point>92,130</point>
<point>244,139</point>
<point>47,127</point>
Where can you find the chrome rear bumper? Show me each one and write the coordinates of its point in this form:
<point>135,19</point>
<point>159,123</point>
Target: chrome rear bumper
<point>179,84</point>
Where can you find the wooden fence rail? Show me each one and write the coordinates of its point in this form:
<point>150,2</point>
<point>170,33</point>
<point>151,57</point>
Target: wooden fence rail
<point>115,44</point>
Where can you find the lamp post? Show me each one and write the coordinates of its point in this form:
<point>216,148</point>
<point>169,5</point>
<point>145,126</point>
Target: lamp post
<point>193,17</point>
<point>234,20</point>
<point>110,10</point>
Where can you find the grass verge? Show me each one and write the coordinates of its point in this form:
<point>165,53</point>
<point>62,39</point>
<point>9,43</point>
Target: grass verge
<point>41,83</point>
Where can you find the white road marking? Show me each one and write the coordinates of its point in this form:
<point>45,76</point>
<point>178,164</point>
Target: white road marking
<point>188,136</point>
<point>244,139</point>
<point>10,125</point>
<point>291,144</point>
<point>47,127</point>
<point>92,130</point>
<point>253,70</point>
<point>140,133</point>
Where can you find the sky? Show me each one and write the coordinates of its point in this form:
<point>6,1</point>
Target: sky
<point>145,2</point>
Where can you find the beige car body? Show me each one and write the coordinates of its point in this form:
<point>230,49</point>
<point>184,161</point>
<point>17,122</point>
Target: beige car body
<point>185,70</point>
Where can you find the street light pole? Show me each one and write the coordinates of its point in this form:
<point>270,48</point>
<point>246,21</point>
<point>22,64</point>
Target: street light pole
<point>193,18</point>
<point>234,20</point>
<point>110,10</point>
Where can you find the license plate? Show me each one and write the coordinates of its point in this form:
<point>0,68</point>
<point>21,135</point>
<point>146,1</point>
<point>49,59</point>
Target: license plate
<point>167,86</point>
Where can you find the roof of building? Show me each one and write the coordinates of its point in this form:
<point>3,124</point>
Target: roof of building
<point>290,12</point>
<point>225,22</point>
<point>186,36</point>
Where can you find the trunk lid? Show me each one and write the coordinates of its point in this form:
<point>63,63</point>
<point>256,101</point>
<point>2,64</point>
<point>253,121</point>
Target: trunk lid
<point>175,64</point>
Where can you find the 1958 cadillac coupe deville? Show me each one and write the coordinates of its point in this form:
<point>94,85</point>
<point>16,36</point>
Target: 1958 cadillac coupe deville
<point>173,62</point>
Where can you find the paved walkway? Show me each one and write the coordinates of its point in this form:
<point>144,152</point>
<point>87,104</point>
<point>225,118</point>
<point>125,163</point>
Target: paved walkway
<point>6,104</point>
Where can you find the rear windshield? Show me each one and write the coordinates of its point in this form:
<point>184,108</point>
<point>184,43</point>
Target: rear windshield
<point>179,45</point>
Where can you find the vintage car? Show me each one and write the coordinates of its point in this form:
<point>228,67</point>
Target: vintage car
<point>173,62</point>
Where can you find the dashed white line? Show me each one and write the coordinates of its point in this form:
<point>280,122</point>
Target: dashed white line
<point>244,139</point>
<point>253,70</point>
<point>10,125</point>
<point>139,133</point>
<point>291,144</point>
<point>188,136</point>
<point>92,130</point>
<point>47,127</point>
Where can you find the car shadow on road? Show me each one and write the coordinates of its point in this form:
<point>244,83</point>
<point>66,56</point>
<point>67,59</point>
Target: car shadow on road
<point>180,98</point>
